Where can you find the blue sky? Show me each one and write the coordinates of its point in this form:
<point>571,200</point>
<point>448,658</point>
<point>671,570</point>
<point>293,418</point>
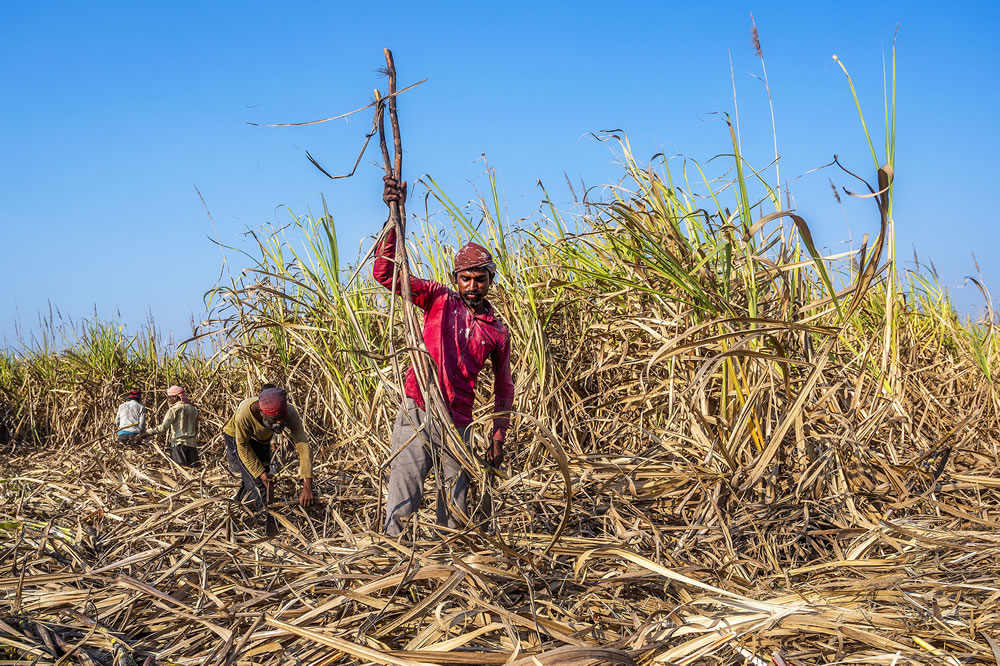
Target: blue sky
<point>114,112</point>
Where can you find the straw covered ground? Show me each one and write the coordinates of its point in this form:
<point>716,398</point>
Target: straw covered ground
<point>124,554</point>
<point>728,447</point>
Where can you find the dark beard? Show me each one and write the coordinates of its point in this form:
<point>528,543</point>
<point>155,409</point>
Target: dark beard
<point>473,300</point>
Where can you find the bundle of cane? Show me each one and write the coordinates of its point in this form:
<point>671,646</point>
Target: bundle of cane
<point>423,364</point>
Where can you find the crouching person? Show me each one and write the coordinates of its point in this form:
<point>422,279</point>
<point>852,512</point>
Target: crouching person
<point>131,419</point>
<point>181,425</point>
<point>249,436</point>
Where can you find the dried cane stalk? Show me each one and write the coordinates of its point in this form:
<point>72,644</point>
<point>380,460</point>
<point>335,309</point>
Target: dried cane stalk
<point>426,374</point>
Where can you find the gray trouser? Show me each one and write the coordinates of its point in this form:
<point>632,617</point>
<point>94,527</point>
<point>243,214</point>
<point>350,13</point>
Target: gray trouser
<point>420,439</point>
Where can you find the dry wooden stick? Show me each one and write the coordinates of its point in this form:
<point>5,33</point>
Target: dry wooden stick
<point>424,370</point>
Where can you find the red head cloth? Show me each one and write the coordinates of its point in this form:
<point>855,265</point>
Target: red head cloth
<point>273,402</point>
<point>134,395</point>
<point>473,255</point>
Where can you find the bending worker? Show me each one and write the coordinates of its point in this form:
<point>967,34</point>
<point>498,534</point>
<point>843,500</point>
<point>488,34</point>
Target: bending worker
<point>248,435</point>
<point>131,418</point>
<point>461,333</point>
<point>181,425</point>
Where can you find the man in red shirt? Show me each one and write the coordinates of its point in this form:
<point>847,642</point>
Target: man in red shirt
<point>461,332</point>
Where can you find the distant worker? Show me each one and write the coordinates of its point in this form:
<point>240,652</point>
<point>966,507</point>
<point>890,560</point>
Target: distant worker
<point>461,332</point>
<point>131,418</point>
<point>248,435</point>
<point>181,425</point>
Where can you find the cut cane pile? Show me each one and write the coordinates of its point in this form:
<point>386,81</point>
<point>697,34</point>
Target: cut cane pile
<point>727,449</point>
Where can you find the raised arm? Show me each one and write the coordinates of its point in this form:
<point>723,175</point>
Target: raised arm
<point>422,291</point>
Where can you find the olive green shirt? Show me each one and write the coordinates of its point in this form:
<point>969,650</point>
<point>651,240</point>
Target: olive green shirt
<point>180,423</point>
<point>243,427</point>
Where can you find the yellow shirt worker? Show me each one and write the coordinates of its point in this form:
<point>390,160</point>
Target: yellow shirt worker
<point>248,436</point>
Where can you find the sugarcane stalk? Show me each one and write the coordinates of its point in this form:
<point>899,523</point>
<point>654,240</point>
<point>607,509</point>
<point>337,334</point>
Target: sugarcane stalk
<point>426,375</point>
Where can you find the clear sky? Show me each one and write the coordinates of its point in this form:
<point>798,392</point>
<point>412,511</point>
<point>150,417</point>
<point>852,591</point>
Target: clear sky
<point>112,113</point>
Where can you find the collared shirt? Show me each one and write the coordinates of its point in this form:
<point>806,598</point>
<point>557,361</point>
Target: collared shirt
<point>243,427</point>
<point>131,418</point>
<point>459,340</point>
<point>180,423</point>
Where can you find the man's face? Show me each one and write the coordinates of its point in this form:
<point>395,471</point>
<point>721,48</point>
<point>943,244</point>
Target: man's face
<point>171,399</point>
<point>473,285</point>
<point>272,424</point>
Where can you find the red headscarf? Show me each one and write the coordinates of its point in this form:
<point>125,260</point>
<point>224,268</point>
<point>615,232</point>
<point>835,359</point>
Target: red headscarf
<point>273,402</point>
<point>474,255</point>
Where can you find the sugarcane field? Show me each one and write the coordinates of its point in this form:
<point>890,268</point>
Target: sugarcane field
<point>666,418</point>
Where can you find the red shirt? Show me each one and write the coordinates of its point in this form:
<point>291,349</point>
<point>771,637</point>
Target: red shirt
<point>459,340</point>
